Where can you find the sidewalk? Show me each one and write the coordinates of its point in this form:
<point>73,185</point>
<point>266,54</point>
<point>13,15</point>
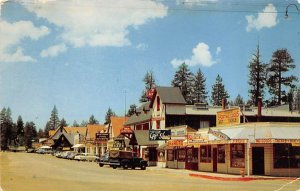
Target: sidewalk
<point>218,176</point>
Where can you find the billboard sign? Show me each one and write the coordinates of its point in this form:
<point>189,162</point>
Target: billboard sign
<point>158,135</point>
<point>228,117</point>
<point>102,136</point>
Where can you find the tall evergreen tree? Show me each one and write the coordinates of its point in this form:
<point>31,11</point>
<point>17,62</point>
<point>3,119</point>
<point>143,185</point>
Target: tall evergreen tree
<point>218,92</point>
<point>53,122</point>
<point>83,123</point>
<point>109,114</point>
<point>93,120</point>
<point>149,84</point>
<point>63,123</point>
<point>20,130</point>
<point>30,134</point>
<point>183,79</point>
<point>238,100</point>
<point>199,93</point>
<point>257,77</point>
<point>8,128</point>
<point>131,110</point>
<point>281,63</point>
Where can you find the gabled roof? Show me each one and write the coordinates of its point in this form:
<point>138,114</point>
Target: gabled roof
<point>117,123</point>
<point>80,130</point>
<point>93,129</point>
<point>168,95</point>
<point>143,114</point>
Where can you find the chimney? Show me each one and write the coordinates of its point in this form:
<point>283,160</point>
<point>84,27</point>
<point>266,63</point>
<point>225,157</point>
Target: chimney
<point>223,103</point>
<point>259,105</point>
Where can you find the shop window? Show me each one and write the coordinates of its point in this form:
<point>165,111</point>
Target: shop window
<point>286,156</point>
<point>204,124</point>
<point>138,127</point>
<point>157,103</point>
<point>181,155</point>
<point>237,155</point>
<point>146,126</point>
<point>170,155</point>
<point>205,153</point>
<point>221,153</point>
<point>192,155</point>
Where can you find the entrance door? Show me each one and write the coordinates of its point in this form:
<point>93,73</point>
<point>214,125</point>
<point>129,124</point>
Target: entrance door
<point>258,161</point>
<point>215,159</point>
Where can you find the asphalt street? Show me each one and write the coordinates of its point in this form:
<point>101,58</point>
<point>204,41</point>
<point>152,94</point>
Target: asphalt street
<point>35,172</point>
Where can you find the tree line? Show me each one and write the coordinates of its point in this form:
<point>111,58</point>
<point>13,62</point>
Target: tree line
<point>272,78</point>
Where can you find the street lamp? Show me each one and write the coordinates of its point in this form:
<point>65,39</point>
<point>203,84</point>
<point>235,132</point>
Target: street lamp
<point>286,10</point>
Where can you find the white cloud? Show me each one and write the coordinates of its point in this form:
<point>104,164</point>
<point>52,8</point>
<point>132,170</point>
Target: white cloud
<point>11,34</point>
<point>53,51</point>
<point>97,23</point>
<point>267,19</point>
<point>218,50</point>
<point>201,56</point>
<point>190,3</point>
<point>142,46</point>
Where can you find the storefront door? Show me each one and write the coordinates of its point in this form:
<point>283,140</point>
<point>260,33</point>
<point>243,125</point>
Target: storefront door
<point>258,161</point>
<point>215,159</point>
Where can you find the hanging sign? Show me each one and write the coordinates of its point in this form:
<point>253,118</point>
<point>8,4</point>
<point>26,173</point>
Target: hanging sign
<point>175,143</point>
<point>219,134</point>
<point>102,136</point>
<point>157,135</point>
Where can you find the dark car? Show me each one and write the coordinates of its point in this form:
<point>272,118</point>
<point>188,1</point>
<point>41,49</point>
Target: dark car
<point>103,160</point>
<point>125,159</point>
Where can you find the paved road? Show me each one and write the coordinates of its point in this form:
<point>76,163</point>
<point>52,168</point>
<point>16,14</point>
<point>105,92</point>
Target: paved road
<point>34,172</point>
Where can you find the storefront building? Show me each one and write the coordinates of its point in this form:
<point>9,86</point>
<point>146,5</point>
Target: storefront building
<point>270,148</point>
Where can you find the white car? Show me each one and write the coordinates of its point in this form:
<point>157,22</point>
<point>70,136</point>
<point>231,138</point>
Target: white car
<point>85,157</point>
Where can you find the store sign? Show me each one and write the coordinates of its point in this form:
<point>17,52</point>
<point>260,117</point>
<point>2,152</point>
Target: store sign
<point>126,130</point>
<point>157,135</point>
<point>218,134</point>
<point>228,117</point>
<point>179,132</point>
<point>102,136</point>
<point>197,137</point>
<point>175,143</point>
<point>293,141</point>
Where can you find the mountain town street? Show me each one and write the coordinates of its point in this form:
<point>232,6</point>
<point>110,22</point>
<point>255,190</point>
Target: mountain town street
<point>33,172</point>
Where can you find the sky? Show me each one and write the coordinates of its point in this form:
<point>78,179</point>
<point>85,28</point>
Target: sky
<point>85,56</point>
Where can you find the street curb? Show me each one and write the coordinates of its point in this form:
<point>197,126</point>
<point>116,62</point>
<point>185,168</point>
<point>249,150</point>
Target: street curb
<point>239,179</point>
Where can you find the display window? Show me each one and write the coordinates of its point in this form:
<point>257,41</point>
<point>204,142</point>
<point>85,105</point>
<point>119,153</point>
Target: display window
<point>237,155</point>
<point>221,153</point>
<point>181,155</point>
<point>192,155</point>
<point>205,153</point>
<point>286,156</point>
<point>170,155</point>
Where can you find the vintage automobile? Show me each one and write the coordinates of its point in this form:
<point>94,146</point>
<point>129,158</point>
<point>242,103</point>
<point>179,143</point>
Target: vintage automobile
<point>103,160</point>
<point>85,157</point>
<point>125,159</point>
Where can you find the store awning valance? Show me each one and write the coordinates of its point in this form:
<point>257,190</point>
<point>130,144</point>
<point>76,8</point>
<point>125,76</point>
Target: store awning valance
<point>78,146</point>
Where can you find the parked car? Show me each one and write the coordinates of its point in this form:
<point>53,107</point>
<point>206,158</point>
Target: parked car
<point>86,157</point>
<point>71,155</point>
<point>65,154</point>
<point>125,159</point>
<point>44,151</point>
<point>103,160</point>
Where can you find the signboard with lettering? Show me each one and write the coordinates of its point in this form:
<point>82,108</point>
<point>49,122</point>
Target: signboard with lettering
<point>126,130</point>
<point>175,143</point>
<point>228,117</point>
<point>197,137</point>
<point>293,141</point>
<point>218,134</point>
<point>102,136</point>
<point>157,135</point>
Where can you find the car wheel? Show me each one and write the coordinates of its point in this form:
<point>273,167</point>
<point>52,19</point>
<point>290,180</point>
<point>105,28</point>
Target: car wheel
<point>125,166</point>
<point>101,165</point>
<point>114,167</point>
<point>133,167</point>
<point>143,167</point>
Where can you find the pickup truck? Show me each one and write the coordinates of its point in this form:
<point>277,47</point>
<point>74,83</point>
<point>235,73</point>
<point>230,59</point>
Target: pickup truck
<point>125,159</point>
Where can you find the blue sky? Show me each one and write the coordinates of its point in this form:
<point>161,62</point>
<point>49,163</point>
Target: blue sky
<point>82,56</point>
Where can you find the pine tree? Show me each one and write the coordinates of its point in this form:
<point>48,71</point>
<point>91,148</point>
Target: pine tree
<point>218,92</point>
<point>8,128</point>
<point>238,100</point>
<point>257,77</point>
<point>109,114</point>
<point>199,93</point>
<point>281,63</point>
<point>20,130</point>
<point>30,134</point>
<point>83,123</point>
<point>183,79</point>
<point>53,122</point>
<point>149,84</point>
<point>63,123</point>
<point>93,120</point>
<point>75,124</point>
<point>131,110</point>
